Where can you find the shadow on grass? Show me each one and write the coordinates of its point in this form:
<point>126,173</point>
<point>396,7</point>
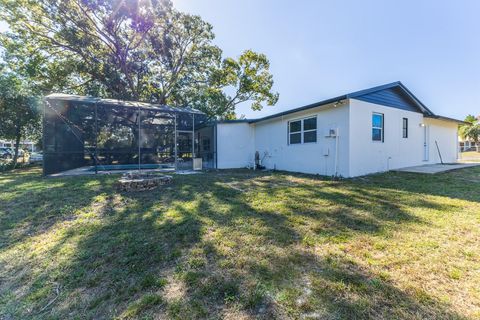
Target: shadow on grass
<point>32,205</point>
<point>334,287</point>
<point>462,184</point>
<point>202,248</point>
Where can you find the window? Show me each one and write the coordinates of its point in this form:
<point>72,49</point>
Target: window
<point>310,130</point>
<point>377,127</point>
<point>405,128</point>
<point>302,131</point>
<point>295,132</point>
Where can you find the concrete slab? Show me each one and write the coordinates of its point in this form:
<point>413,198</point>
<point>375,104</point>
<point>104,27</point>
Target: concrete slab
<point>437,168</point>
<point>87,171</point>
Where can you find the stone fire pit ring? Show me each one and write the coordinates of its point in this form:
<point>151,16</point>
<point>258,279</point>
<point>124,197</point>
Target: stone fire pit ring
<point>135,181</point>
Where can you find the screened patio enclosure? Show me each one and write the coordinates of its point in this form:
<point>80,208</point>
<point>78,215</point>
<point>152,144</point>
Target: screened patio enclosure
<point>103,134</point>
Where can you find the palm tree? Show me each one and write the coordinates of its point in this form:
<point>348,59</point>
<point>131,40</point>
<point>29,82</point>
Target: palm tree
<point>471,130</point>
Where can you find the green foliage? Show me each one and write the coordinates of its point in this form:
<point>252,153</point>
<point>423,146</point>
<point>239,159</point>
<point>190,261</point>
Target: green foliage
<point>151,281</point>
<point>19,110</point>
<point>132,50</point>
<point>147,301</point>
<point>249,80</point>
<point>471,130</point>
<point>7,166</point>
<point>471,119</point>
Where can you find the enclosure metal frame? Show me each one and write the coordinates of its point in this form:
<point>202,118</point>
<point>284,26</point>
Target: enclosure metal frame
<point>139,106</point>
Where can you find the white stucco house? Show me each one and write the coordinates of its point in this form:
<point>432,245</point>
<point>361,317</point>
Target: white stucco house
<point>369,131</point>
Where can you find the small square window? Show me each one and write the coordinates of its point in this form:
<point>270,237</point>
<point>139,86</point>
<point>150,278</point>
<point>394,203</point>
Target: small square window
<point>376,134</point>
<point>295,138</point>
<point>377,120</point>
<point>296,126</point>
<point>310,124</point>
<point>310,136</point>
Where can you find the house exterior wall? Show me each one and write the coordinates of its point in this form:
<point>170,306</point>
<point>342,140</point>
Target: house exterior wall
<point>271,141</point>
<point>446,134</point>
<point>235,145</point>
<point>356,154</point>
<point>367,156</point>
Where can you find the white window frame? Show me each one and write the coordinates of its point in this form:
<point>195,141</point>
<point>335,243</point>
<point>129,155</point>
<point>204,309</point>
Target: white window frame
<point>302,130</point>
<point>382,128</point>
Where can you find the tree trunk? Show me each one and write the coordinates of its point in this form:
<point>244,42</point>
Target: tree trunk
<point>18,136</point>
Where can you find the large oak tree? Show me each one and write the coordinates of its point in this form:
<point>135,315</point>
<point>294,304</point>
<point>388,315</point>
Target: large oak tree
<point>132,49</point>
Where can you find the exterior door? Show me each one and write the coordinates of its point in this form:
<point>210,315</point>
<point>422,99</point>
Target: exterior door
<point>184,150</point>
<point>425,143</point>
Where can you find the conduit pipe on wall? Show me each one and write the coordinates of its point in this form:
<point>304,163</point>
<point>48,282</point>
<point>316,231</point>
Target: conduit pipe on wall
<point>336,152</point>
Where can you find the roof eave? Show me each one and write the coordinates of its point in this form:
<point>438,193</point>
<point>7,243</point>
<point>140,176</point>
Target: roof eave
<point>445,119</point>
<point>234,121</point>
<point>303,108</point>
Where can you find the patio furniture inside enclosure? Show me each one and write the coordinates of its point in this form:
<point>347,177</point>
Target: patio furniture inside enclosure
<point>104,134</point>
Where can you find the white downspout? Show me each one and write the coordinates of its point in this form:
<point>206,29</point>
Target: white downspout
<point>283,150</point>
<point>254,129</point>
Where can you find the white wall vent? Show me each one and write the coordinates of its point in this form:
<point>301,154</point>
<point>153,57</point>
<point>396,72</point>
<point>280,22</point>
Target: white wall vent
<point>330,133</point>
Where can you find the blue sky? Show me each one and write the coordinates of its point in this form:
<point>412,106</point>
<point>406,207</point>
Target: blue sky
<point>321,49</point>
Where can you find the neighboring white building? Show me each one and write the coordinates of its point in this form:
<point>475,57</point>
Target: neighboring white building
<point>468,145</point>
<point>364,132</point>
<point>25,144</point>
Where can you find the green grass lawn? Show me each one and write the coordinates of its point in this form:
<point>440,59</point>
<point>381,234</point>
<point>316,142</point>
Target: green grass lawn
<point>470,156</point>
<point>241,245</point>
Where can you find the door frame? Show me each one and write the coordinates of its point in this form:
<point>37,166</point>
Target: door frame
<point>426,149</point>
